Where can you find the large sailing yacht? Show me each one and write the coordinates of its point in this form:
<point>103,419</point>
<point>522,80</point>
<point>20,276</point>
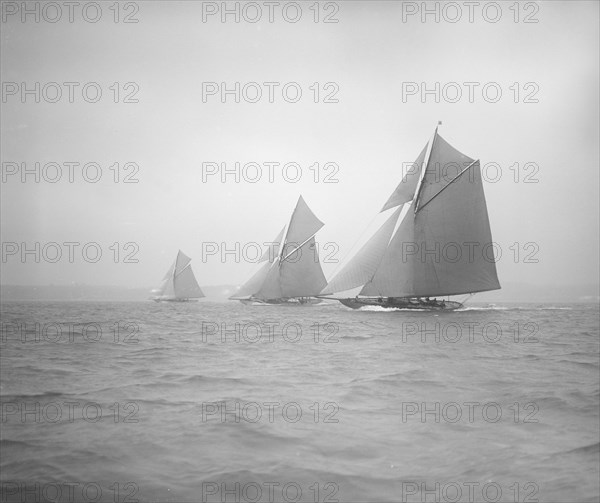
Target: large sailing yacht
<point>436,242</point>
<point>291,273</point>
<point>179,284</point>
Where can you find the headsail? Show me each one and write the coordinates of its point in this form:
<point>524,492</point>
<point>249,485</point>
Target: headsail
<point>254,284</point>
<point>364,264</point>
<point>166,287</point>
<point>256,281</point>
<point>272,252</point>
<point>271,287</point>
<point>394,276</point>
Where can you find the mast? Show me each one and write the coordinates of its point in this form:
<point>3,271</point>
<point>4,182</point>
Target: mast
<point>287,231</point>
<point>428,158</point>
<point>175,272</point>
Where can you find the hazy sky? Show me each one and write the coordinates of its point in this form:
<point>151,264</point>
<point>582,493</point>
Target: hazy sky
<point>369,55</point>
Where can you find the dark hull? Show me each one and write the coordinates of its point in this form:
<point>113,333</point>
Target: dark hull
<point>294,301</point>
<point>402,303</point>
<point>175,300</point>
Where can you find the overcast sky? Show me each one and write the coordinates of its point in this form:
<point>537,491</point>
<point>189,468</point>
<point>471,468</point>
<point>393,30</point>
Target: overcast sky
<point>368,55</point>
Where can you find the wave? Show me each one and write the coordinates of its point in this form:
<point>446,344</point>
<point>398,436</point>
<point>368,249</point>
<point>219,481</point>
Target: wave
<point>367,375</point>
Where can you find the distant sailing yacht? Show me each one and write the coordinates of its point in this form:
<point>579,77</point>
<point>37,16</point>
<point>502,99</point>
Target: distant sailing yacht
<point>442,245</point>
<point>179,284</point>
<point>291,273</point>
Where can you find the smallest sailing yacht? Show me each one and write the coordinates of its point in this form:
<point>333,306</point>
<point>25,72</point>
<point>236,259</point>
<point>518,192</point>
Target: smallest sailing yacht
<point>179,284</point>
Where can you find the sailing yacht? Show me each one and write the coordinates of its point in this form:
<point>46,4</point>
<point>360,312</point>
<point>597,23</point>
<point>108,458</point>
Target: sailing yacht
<point>291,273</point>
<point>436,242</point>
<point>179,284</point>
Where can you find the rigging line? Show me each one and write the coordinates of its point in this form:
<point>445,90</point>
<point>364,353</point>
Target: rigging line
<point>281,243</point>
<point>447,185</point>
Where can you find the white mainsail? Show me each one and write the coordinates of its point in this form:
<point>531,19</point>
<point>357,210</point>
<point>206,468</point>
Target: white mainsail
<point>179,282</point>
<point>296,270</point>
<point>443,246</point>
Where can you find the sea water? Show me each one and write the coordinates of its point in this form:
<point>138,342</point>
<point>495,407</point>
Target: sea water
<point>139,401</point>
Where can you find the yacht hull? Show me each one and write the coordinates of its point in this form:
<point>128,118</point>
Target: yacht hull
<point>294,301</point>
<point>416,304</point>
<point>175,300</point>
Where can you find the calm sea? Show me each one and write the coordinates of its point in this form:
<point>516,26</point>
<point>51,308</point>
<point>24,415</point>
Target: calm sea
<point>220,402</point>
